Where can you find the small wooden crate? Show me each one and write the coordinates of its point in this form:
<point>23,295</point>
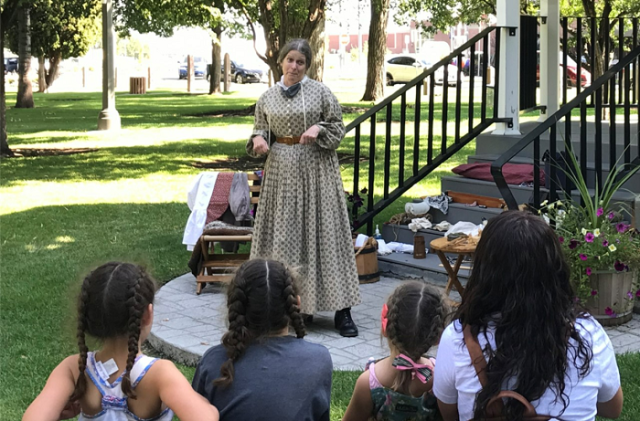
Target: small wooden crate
<point>367,262</point>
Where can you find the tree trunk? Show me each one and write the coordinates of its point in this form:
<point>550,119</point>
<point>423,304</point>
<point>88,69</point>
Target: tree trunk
<point>25,92</point>
<point>377,47</point>
<point>216,61</point>
<point>4,145</point>
<point>316,41</point>
<point>42,75</point>
<point>54,68</point>
<point>599,49</point>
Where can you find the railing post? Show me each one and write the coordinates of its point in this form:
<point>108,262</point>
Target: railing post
<point>508,82</point>
<point>549,56</point>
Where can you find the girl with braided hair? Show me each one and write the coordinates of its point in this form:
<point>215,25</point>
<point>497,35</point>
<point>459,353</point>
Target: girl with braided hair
<point>398,388</point>
<point>117,382</point>
<point>259,372</point>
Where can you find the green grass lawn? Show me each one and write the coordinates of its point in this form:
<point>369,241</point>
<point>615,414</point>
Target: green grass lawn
<point>126,199</point>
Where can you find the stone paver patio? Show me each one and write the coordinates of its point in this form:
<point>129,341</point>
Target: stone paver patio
<point>186,325</point>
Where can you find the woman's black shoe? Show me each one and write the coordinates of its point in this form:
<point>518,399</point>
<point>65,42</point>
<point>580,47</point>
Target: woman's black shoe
<point>344,323</point>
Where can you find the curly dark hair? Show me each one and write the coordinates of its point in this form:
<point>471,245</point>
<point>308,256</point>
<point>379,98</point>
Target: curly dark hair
<point>416,318</point>
<point>112,301</point>
<point>262,299</point>
<point>520,286</point>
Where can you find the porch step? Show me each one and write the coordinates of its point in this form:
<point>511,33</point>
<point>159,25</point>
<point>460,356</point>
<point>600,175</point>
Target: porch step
<point>487,143</point>
<point>521,193</point>
<point>430,268</point>
<point>632,184</point>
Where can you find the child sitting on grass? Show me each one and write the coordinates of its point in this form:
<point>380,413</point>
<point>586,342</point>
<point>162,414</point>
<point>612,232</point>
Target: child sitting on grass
<point>399,387</point>
<point>260,372</point>
<point>118,382</point>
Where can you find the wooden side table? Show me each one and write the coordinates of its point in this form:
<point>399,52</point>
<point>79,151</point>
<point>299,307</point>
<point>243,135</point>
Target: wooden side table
<point>442,246</point>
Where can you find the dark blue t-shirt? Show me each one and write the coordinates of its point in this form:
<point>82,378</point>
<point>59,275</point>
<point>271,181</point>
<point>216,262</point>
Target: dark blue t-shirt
<point>279,378</point>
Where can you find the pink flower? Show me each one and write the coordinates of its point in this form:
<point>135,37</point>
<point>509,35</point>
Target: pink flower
<point>589,237</point>
<point>561,239</point>
<point>600,212</point>
<point>605,243</point>
<point>622,227</point>
<point>638,293</point>
<point>630,295</point>
<point>611,215</point>
<point>588,271</point>
<point>573,244</point>
<point>619,266</point>
<point>594,292</point>
<point>609,312</point>
<point>583,256</point>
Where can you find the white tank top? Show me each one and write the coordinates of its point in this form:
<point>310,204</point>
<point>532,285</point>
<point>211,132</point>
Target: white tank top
<point>114,401</point>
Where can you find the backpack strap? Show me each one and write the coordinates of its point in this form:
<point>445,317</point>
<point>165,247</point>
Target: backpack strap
<point>495,405</point>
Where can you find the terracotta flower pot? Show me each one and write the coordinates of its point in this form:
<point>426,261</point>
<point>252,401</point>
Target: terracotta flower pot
<point>612,305</point>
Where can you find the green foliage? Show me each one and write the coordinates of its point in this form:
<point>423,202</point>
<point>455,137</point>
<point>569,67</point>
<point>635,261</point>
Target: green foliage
<point>61,28</point>
<point>590,236</point>
<point>162,17</point>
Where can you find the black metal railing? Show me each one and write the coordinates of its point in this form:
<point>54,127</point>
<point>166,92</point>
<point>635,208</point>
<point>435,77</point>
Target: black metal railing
<point>589,162</point>
<point>428,151</point>
<point>589,40</point>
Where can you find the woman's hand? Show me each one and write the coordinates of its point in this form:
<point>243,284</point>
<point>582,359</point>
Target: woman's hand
<point>260,146</point>
<point>310,135</point>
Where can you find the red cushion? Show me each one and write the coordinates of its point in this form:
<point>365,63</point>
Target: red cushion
<point>513,173</point>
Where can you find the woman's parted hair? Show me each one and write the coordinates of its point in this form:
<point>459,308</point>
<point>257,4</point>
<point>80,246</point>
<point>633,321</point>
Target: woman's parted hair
<point>262,299</point>
<point>299,44</point>
<point>112,301</point>
<point>520,285</point>
<point>416,318</point>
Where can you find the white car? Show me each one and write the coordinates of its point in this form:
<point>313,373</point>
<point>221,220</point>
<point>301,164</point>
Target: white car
<point>404,68</point>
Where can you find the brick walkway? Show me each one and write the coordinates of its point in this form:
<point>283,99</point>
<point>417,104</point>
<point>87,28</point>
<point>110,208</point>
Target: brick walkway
<point>186,325</point>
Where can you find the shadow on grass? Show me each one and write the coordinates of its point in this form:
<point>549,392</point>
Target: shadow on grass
<point>114,163</point>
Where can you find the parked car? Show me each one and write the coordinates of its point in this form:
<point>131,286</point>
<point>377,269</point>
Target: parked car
<point>404,68</point>
<point>245,72</point>
<point>572,72</point>
<point>10,65</point>
<point>199,68</point>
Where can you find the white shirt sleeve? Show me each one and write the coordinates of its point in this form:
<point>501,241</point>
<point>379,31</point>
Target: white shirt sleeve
<point>604,362</point>
<point>444,380</point>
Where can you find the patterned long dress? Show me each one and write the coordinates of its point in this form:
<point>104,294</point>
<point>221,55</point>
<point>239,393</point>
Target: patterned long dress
<point>302,218</point>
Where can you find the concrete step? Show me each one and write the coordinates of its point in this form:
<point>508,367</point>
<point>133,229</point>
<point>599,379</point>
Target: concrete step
<point>402,264</point>
<point>632,184</point>
<point>487,143</point>
<point>521,193</point>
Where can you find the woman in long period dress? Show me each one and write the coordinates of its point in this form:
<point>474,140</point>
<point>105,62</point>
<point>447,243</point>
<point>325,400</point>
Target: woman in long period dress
<point>302,217</point>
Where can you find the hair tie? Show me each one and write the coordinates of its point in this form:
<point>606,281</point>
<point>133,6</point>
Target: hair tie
<point>383,317</point>
<point>422,371</point>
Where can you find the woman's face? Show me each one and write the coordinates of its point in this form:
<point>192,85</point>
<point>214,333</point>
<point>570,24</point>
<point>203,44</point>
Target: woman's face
<point>294,67</point>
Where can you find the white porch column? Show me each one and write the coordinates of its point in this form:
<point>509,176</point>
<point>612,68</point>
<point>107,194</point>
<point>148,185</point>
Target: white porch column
<point>508,14</point>
<point>109,118</point>
<point>549,56</point>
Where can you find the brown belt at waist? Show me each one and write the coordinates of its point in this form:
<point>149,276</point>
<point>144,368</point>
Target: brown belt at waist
<point>289,140</point>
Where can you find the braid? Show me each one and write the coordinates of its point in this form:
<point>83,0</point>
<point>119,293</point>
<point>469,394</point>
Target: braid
<point>134,304</point>
<point>237,336</point>
<point>415,321</point>
<point>81,383</point>
<point>293,310</point>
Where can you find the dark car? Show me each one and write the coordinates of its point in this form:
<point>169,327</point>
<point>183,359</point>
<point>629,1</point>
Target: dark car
<point>10,65</point>
<point>247,73</point>
<point>199,68</point>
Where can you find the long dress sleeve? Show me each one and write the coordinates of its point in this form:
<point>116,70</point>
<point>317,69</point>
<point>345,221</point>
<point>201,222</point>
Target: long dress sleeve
<point>260,126</point>
<point>331,127</point>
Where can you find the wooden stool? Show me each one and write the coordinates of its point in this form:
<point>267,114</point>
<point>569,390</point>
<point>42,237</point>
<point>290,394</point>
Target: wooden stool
<point>442,246</point>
